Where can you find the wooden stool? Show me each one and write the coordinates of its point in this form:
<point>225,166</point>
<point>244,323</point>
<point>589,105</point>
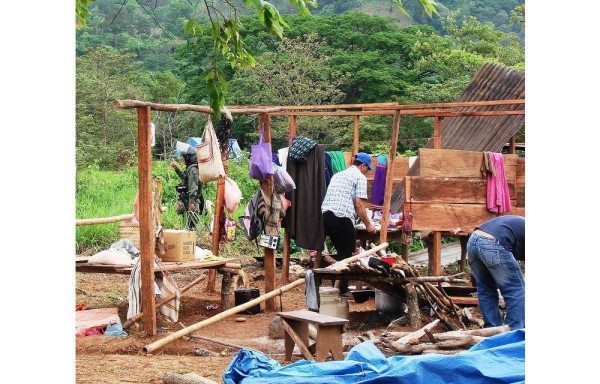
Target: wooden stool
<point>329,334</point>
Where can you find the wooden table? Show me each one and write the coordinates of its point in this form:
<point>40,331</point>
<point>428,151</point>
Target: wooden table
<point>81,265</point>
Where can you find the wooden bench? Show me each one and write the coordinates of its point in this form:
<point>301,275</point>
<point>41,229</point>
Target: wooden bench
<point>329,334</point>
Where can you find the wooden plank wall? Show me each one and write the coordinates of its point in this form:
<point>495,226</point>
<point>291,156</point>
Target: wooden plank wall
<point>450,191</point>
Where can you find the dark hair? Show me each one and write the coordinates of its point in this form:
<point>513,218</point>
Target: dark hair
<point>357,162</point>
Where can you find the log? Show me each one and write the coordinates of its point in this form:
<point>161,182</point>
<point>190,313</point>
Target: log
<point>485,332</point>
<point>471,318</point>
<point>442,351</point>
<point>111,219</point>
<point>174,336</point>
<point>343,264</point>
<point>414,314</point>
<point>188,378</point>
<point>135,318</point>
<point>416,334</point>
<point>226,290</point>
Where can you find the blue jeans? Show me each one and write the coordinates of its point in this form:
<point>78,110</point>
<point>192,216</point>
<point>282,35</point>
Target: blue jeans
<point>495,268</point>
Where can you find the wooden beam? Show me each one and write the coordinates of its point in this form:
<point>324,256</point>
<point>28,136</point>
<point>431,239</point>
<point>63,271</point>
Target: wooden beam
<point>128,104</point>
<point>333,113</point>
<point>216,229</point>
<point>513,142</point>
<point>437,134</point>
<point>446,217</point>
<point>425,113</point>
<point>146,225</point>
<point>264,120</point>
<point>355,135</point>
<point>285,268</point>
<point>389,178</point>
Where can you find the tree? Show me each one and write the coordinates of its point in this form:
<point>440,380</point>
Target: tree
<point>104,135</point>
<point>225,32</point>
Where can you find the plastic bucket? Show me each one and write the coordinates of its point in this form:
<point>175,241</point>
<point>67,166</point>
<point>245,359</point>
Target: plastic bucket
<point>329,299</point>
<point>244,295</point>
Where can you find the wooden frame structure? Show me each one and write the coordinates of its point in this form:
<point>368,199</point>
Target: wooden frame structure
<point>436,110</point>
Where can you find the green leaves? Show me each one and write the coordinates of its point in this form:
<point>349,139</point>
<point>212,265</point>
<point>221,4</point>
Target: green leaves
<point>216,87</point>
<point>81,12</point>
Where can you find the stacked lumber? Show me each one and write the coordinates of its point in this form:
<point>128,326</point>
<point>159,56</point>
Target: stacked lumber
<point>424,341</point>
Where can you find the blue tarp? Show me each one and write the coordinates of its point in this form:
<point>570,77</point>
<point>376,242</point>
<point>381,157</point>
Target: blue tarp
<point>497,359</point>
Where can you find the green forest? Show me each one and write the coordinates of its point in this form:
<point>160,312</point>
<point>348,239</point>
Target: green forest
<point>353,51</point>
<point>344,52</point>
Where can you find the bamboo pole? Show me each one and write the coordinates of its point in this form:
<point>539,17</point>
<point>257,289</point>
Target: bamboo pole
<point>389,178</point>
<point>232,311</point>
<point>165,300</point>
<point>106,220</point>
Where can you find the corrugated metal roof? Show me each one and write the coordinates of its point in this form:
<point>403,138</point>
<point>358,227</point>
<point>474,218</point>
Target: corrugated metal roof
<point>486,133</point>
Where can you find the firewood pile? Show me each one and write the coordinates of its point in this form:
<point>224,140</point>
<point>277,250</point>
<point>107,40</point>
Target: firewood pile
<point>424,341</point>
<point>407,284</point>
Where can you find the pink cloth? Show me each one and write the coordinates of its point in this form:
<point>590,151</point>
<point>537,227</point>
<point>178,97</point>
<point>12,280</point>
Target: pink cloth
<point>498,195</point>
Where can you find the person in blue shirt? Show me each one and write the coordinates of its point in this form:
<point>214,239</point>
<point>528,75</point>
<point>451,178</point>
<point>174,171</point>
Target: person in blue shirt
<point>492,251</point>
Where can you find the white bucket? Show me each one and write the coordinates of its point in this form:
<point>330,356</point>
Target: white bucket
<point>329,299</point>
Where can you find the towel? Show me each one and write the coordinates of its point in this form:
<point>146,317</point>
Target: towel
<point>310,291</point>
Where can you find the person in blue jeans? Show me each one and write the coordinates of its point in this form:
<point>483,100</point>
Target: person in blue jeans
<point>493,250</point>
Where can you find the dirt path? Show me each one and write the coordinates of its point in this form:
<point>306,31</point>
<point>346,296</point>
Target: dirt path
<point>105,359</point>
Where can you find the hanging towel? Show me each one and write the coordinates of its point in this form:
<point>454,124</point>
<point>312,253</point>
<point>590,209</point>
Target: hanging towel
<point>338,162</point>
<point>498,195</point>
<point>310,292</point>
<point>378,191</point>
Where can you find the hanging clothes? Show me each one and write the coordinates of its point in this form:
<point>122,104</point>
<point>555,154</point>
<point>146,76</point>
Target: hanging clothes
<point>378,191</point>
<point>498,194</point>
<point>328,169</point>
<point>303,220</point>
<point>338,162</point>
<point>283,155</point>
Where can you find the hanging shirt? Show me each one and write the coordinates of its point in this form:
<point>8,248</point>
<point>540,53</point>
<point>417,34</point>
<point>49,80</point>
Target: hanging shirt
<point>344,187</point>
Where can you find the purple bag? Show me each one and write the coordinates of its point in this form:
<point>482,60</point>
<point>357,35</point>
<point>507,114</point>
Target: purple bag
<point>261,159</point>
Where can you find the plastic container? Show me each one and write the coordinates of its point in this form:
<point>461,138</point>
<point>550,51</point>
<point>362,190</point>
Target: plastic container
<point>329,299</point>
<point>244,295</point>
<point>343,308</point>
<point>386,303</point>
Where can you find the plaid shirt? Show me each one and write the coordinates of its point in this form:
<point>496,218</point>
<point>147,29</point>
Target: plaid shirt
<point>344,187</point>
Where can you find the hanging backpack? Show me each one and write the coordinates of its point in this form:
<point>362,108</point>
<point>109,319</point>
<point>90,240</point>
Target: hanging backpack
<point>252,223</point>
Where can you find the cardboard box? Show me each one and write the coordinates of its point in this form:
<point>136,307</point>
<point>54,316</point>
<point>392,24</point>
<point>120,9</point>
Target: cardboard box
<point>180,245</point>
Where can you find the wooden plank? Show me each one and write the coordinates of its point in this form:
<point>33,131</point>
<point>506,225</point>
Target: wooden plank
<point>465,300</point>
<point>455,163</point>
<point>458,190</point>
<point>312,317</point>
<point>329,339</point>
<point>446,217</point>
<point>145,219</point>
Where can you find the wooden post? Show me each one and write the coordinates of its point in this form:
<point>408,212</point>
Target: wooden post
<point>264,120</point>
<point>513,147</point>
<point>146,225</point>
<point>435,254</point>
<point>405,252</point>
<point>463,253</point>
<point>389,178</point>
<point>285,268</point>
<point>355,136</point>
<point>437,139</point>
<point>216,229</point>
<point>226,290</point>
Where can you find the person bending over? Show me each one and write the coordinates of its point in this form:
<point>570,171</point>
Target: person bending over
<point>344,200</point>
<point>493,250</point>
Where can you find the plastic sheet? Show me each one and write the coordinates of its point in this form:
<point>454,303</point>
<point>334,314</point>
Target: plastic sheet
<point>497,359</point>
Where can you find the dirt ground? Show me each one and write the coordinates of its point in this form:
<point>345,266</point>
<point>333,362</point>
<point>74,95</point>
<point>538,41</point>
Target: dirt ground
<point>107,359</point>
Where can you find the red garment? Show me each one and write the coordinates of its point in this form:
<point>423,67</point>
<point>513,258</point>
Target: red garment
<point>498,195</point>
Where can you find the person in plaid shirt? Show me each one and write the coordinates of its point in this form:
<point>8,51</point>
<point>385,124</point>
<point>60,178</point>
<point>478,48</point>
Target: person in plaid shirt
<point>344,200</point>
